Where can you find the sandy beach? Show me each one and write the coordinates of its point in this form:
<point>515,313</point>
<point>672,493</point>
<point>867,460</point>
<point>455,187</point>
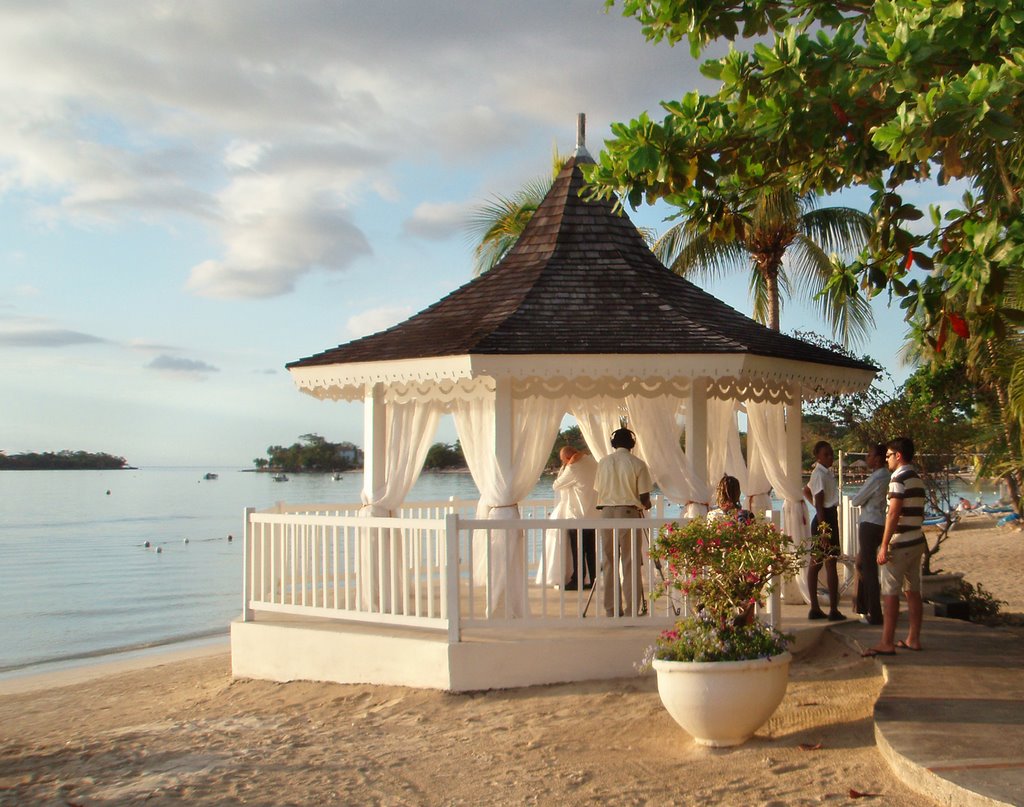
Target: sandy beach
<point>184,731</point>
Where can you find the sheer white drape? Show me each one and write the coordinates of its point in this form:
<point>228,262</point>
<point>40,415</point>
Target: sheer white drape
<point>766,449</point>
<point>597,418</point>
<point>556,568</point>
<point>409,430</point>
<point>724,453</point>
<point>658,429</point>
<point>502,485</point>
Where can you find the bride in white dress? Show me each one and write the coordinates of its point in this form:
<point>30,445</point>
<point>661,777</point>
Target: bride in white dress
<point>574,487</point>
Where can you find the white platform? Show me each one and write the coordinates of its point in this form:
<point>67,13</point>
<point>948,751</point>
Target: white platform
<point>280,648</point>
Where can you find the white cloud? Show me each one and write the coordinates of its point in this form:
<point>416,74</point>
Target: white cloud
<point>376,319</point>
<point>275,230</point>
<point>46,337</point>
<point>112,112</point>
<point>177,366</point>
<point>436,221</point>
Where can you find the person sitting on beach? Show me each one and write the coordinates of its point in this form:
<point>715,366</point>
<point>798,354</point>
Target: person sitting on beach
<point>727,499</point>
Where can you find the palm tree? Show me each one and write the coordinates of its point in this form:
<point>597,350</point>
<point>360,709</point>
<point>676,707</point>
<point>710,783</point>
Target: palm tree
<point>723,231</point>
<point>497,224</point>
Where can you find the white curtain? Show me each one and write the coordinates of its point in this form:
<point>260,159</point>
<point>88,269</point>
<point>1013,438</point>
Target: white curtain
<point>409,430</point>
<point>598,418</point>
<point>658,430</point>
<point>766,448</point>
<point>724,453</point>
<point>534,427</point>
<point>556,568</point>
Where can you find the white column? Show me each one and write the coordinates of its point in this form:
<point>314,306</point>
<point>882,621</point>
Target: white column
<point>794,473</point>
<point>374,559</point>
<point>374,441</point>
<point>697,429</point>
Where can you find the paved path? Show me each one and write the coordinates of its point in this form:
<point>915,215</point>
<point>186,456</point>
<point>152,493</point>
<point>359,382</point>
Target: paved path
<point>950,719</point>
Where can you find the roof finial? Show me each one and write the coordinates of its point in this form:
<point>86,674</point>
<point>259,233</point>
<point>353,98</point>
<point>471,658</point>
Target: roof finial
<point>581,136</point>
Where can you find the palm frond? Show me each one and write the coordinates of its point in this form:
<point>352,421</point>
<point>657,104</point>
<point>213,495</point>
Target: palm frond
<point>758,288</point>
<point>849,316</point>
<point>694,254</point>
<point>496,225</point>
<point>844,230</point>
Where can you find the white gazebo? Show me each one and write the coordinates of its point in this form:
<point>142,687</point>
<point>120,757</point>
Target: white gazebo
<point>579,318</point>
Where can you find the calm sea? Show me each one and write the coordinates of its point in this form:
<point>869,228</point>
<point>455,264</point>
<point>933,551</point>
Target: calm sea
<point>78,581</point>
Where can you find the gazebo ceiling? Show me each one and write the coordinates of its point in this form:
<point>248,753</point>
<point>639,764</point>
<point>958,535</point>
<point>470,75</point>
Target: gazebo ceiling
<point>579,305</point>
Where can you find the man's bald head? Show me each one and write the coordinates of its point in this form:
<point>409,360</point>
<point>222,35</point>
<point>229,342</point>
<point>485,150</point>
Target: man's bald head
<point>567,453</point>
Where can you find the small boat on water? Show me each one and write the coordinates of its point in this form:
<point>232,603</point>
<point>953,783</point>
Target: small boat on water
<point>280,477</point>
<point>209,476</point>
<point>337,477</point>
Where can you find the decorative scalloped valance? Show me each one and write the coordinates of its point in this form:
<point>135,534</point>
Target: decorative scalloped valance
<point>742,377</point>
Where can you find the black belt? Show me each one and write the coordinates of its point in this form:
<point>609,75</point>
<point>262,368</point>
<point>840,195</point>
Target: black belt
<point>906,544</point>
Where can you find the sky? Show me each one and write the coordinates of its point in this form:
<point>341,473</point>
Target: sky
<point>194,194</point>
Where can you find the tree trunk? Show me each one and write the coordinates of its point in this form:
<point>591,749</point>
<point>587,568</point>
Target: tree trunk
<point>772,284</point>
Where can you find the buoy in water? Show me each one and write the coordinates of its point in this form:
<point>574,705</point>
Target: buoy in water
<point>108,492</point>
<point>186,540</point>
<point>146,544</point>
<point>159,549</point>
<point>230,537</point>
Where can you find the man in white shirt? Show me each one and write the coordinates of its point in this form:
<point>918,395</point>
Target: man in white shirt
<point>822,491</point>
<point>623,491</point>
<point>871,499</point>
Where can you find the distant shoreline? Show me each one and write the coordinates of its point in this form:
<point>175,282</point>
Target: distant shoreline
<point>69,468</point>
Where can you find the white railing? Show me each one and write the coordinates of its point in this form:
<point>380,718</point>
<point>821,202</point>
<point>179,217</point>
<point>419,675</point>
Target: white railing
<point>436,567</point>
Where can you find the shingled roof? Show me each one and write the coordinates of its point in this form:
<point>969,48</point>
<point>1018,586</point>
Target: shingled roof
<point>580,280</point>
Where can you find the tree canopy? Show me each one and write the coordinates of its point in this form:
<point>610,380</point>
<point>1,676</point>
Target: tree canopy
<point>312,453</point>
<point>875,93</point>
<point>858,92</point>
<point>61,461</point>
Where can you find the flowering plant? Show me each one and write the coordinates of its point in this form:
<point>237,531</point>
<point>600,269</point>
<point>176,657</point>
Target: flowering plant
<point>725,568</point>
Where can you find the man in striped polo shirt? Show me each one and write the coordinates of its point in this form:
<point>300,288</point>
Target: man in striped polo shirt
<point>903,544</point>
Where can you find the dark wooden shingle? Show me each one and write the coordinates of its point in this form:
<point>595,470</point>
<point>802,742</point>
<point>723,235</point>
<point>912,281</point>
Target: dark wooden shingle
<point>580,280</point>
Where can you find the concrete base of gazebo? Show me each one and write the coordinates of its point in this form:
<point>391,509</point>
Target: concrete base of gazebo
<point>283,648</point>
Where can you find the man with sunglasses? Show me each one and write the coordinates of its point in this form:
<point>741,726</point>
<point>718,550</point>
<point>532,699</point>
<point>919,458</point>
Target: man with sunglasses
<point>903,545</point>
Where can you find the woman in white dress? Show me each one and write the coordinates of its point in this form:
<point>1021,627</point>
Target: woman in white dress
<point>574,487</point>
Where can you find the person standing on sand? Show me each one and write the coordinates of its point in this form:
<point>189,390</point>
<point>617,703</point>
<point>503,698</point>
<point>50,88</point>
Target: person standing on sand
<point>822,491</point>
<point>902,548</point>
<point>623,491</point>
<point>871,501</point>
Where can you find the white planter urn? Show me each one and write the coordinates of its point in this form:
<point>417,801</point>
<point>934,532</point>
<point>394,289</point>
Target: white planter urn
<point>722,703</point>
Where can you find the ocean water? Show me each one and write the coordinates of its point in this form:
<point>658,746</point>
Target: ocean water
<point>77,581</point>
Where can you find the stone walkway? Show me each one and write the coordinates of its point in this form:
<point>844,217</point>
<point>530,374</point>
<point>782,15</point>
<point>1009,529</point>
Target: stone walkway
<point>950,719</point>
